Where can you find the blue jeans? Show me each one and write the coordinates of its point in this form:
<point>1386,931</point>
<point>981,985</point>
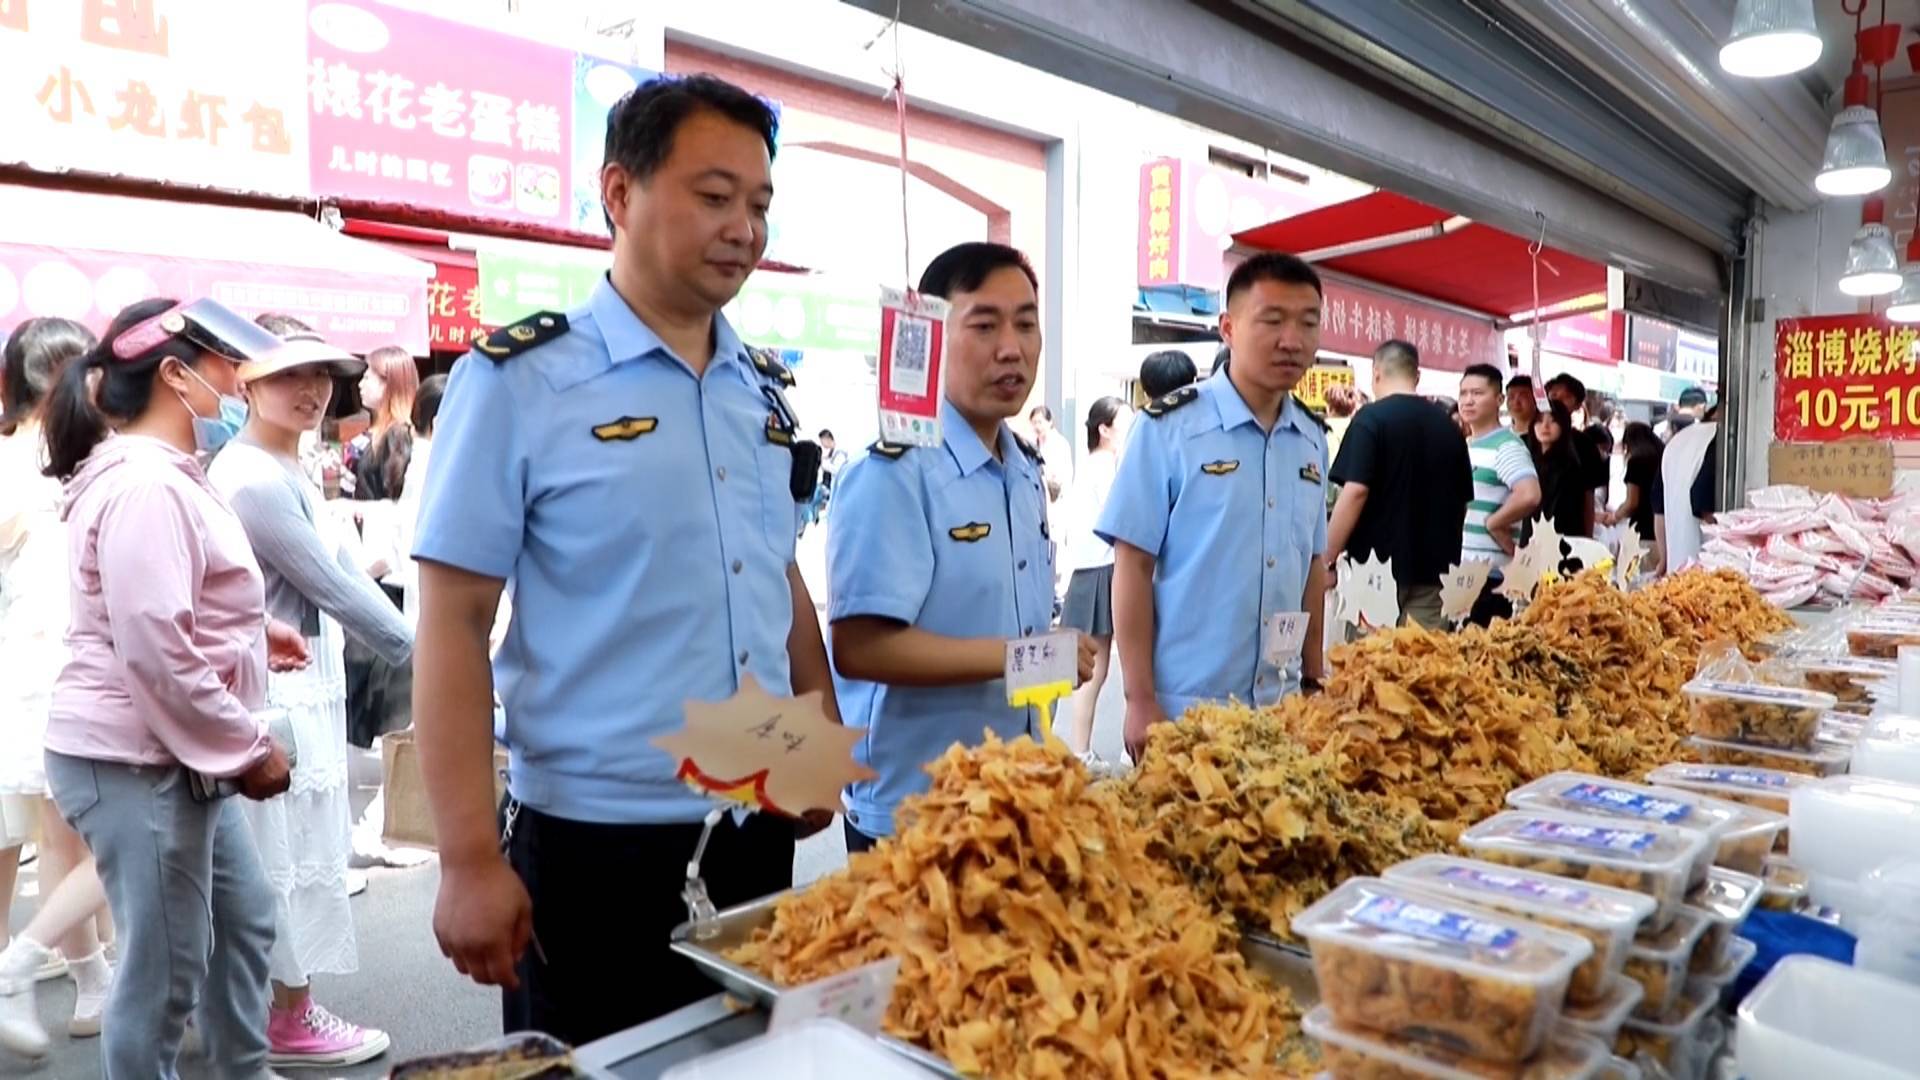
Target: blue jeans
<point>194,911</point>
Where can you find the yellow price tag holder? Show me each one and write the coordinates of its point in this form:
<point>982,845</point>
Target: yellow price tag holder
<point>1039,672</point>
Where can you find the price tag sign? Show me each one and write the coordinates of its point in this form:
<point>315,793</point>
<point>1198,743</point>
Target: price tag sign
<point>1286,636</point>
<point>1460,589</point>
<point>857,998</point>
<point>912,371</point>
<point>761,751</point>
<point>1040,671</point>
<point>1366,596</point>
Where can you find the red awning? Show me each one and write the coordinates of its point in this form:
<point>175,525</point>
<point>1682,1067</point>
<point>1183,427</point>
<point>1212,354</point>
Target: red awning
<point>453,296</point>
<point>1467,264</point>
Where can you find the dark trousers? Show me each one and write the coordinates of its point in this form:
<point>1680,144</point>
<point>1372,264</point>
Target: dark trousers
<point>1490,606</point>
<point>605,900</point>
<point>857,841</point>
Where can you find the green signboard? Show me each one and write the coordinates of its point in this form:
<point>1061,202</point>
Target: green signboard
<point>514,286</point>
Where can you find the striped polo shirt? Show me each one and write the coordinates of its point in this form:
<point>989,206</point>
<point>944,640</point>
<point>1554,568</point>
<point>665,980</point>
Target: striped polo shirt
<point>1500,460</point>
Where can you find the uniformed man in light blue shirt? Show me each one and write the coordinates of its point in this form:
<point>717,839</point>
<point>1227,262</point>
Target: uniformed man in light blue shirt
<point>630,468</point>
<point>937,556</point>
<point>1217,515</point>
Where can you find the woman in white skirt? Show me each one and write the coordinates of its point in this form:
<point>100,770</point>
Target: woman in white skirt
<point>312,582</point>
<point>1089,605</point>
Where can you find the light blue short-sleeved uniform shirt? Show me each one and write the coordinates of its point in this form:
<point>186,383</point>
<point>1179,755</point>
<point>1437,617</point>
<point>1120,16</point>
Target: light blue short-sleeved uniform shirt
<point>1233,516</point>
<point>645,520</point>
<point>951,541</point>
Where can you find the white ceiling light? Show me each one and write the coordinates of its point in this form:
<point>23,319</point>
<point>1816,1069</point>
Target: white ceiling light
<point>1856,159</point>
<point>1771,38</point>
<point>1872,267</point>
<point>1905,305</point>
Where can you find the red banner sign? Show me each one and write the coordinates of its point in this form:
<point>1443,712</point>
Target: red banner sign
<point>453,308</point>
<point>1846,377</point>
<point>409,109</point>
<point>1357,320</point>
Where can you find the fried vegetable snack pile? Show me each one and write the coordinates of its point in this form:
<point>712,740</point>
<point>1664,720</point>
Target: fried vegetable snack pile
<point>1261,827</point>
<point>1698,606</point>
<point>1037,935</point>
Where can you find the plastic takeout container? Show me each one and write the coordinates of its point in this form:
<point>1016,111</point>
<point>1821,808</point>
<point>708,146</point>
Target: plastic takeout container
<point>1726,899</point>
<point>1768,789</point>
<point>1659,961</point>
<point>1584,793</point>
<point>1398,960</point>
<point>1674,1039</point>
<point>1852,680</point>
<point>817,1049</point>
<point>1827,758</point>
<point>1603,1018</point>
<point>1881,636</point>
<point>1349,1051</point>
<point>1889,748</point>
<point>1656,860</point>
<point>1812,1017</point>
<point>1845,826</point>
<point>1760,715</point>
<point>1607,918</point>
<point>1739,953</point>
<point>1783,885</point>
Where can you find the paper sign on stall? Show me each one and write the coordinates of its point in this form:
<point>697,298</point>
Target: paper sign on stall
<point>1286,635</point>
<point>912,370</point>
<point>1628,556</point>
<point>1579,554</point>
<point>1534,562</point>
<point>1460,589</point>
<point>1040,671</point>
<point>1367,596</point>
<point>780,754</point>
<point>858,998</point>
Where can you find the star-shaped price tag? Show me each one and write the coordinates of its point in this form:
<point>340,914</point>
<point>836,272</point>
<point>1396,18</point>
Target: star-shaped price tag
<point>1537,560</point>
<point>1628,556</point>
<point>780,754</point>
<point>1460,589</point>
<point>1366,596</point>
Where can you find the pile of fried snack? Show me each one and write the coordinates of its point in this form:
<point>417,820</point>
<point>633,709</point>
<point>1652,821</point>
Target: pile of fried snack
<point>1048,926</point>
<point>1037,935</point>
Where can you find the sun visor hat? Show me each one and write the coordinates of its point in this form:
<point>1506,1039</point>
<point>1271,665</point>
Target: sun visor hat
<point>304,350</point>
<point>208,324</point>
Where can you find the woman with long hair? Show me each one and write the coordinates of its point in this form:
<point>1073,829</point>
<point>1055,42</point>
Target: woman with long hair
<point>33,627</point>
<point>1089,606</point>
<point>387,389</point>
<point>1643,450</point>
<point>1563,496</point>
<point>157,715</point>
<point>313,583</point>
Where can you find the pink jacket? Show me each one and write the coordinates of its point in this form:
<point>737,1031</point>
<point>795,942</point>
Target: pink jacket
<point>169,618</point>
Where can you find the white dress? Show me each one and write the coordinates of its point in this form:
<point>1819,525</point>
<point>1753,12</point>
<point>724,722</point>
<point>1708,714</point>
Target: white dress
<point>33,612</point>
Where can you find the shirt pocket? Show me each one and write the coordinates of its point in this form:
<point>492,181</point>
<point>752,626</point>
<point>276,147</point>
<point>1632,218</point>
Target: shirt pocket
<point>780,513</point>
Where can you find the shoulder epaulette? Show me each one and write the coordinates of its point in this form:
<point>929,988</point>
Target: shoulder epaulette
<point>509,341</point>
<point>1027,448</point>
<point>890,451</point>
<point>1308,409</point>
<point>770,366</point>
<point>1165,404</point>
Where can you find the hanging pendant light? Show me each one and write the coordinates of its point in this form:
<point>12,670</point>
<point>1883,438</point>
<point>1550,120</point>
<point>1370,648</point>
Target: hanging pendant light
<point>1771,38</point>
<point>1872,267</point>
<point>1856,159</point>
<point>1905,305</point>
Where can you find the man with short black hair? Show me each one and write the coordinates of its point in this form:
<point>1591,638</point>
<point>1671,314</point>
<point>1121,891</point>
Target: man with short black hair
<point>1217,515</point>
<point>1566,390</point>
<point>1506,486</point>
<point>1522,407</point>
<point>1163,372</point>
<point>1405,482</point>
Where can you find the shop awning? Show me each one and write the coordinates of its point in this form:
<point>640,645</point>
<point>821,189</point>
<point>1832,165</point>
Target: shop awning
<point>85,256</point>
<point>454,319</point>
<point>1405,244</point>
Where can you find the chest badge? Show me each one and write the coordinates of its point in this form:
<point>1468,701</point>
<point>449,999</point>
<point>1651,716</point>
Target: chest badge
<point>626,429</point>
<point>1310,472</point>
<point>971,533</point>
<point>777,433</point>
<point>1219,468</point>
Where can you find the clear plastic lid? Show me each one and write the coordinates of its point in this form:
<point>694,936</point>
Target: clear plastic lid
<point>1513,889</point>
<point>1674,944</point>
<point>1584,793</point>
<point>1865,667</point>
<point>1739,953</point>
<point>1657,860</point>
<point>1827,758</point>
<point>1783,879</point>
<point>1399,922</point>
<point>1682,1020</point>
<point>1568,1055</point>
<point>1727,897</point>
<point>1741,783</point>
<point>1842,728</point>
<point>1602,1018</point>
<point>1760,694</point>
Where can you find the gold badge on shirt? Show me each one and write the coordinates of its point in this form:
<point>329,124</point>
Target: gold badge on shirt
<point>970,533</point>
<point>626,429</point>
<point>1219,468</point>
<point>1310,472</point>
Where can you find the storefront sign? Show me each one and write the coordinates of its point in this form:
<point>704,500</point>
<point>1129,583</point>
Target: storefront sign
<point>514,286</point>
<point>181,91</point>
<point>453,308</point>
<point>1318,380</point>
<point>1846,376</point>
<point>1697,357</point>
<point>1653,344</point>
<point>409,109</point>
<point>800,311</point>
<point>1862,468</point>
<point>1356,320</point>
<point>1594,336</point>
<point>359,314</point>
<point>1190,211</point>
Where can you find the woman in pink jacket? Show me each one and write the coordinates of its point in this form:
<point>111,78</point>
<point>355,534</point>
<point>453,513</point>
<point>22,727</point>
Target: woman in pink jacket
<point>153,718</point>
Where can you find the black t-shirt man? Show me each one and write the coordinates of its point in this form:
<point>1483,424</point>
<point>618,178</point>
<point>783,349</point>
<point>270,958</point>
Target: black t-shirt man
<point>1414,462</point>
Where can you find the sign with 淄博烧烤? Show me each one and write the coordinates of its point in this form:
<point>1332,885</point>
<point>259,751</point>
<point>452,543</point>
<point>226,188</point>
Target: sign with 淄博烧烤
<point>1846,377</point>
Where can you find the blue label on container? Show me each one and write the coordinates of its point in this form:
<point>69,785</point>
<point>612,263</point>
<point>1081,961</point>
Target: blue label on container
<point>1399,916</point>
<point>1627,802</point>
<point>1587,836</point>
<point>1738,777</point>
<point>1514,885</point>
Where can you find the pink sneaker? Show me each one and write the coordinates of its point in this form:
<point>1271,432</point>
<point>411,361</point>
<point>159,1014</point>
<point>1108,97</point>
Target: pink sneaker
<point>317,1037</point>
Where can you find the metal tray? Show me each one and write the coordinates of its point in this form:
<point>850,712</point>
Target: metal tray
<point>1284,963</point>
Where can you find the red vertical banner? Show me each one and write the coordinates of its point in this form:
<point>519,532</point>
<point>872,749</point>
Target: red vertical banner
<point>1846,377</point>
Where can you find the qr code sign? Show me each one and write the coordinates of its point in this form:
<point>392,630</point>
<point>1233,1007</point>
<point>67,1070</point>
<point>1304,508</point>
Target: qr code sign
<point>912,344</point>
